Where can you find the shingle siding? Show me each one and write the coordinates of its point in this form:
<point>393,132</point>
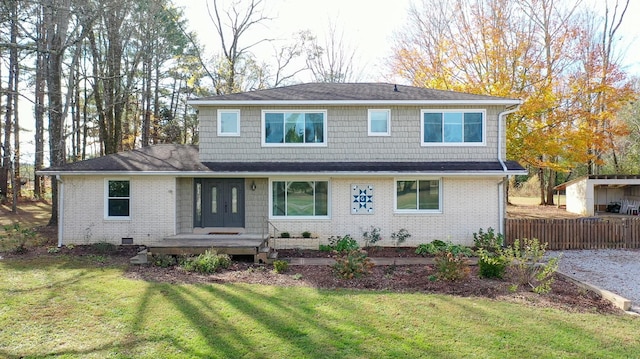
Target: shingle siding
<point>347,137</point>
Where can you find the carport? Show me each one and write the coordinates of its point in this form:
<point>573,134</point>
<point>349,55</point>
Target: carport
<point>592,194</point>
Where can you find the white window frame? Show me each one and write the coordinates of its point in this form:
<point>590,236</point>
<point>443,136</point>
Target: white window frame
<point>219,117</point>
<point>417,211</point>
<point>369,127</point>
<point>107,198</point>
<point>284,144</point>
<point>305,179</point>
<point>454,144</point>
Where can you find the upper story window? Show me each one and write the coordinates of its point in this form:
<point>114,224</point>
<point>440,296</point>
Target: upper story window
<point>228,122</point>
<point>118,199</point>
<point>294,128</point>
<point>379,122</point>
<point>451,127</point>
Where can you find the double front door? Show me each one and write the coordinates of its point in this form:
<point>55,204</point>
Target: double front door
<point>220,202</point>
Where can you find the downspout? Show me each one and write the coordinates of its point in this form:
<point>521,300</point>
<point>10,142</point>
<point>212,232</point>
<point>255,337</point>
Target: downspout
<point>501,200</point>
<point>60,209</point>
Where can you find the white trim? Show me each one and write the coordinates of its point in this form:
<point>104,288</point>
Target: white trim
<point>106,199</point>
<point>417,211</point>
<point>205,174</point>
<point>60,184</point>
<point>220,112</point>
<point>385,110</point>
<point>299,179</point>
<point>503,102</point>
<point>454,144</point>
<point>263,139</point>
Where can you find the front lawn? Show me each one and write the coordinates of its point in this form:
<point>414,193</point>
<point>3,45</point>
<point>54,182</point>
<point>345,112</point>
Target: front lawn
<point>81,306</point>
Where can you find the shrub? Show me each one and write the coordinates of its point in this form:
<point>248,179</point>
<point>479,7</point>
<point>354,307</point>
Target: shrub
<point>400,237</point>
<point>280,266</point>
<point>490,241</point>
<point>16,238</point>
<point>104,248</point>
<point>352,264</point>
<point>525,259</point>
<point>372,236</point>
<point>285,235</point>
<point>451,267</point>
<point>340,244</point>
<point>491,265</point>
<point>163,260</point>
<point>208,262</point>
<point>306,234</point>
<point>437,247</point>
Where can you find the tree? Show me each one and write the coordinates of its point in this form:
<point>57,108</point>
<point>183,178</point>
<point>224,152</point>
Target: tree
<point>524,49</point>
<point>332,61</point>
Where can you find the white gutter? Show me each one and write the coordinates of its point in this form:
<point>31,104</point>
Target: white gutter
<point>501,200</point>
<point>275,173</point>
<point>60,210</point>
<point>504,102</point>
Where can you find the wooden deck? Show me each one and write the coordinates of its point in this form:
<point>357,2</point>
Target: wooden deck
<point>232,244</point>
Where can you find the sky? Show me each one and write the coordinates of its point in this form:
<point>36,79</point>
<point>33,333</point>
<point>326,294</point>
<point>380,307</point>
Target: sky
<point>369,26</point>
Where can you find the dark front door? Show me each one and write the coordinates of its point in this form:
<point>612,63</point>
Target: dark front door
<point>222,202</point>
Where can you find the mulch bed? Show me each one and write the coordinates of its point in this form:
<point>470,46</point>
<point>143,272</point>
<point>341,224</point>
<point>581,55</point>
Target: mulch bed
<point>564,295</point>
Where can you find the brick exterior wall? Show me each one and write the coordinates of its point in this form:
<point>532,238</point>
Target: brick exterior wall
<point>184,205</point>
<point>347,138</point>
<point>468,205</point>
<point>153,213</point>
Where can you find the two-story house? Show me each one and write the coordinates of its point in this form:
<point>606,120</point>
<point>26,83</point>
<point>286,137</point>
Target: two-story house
<point>329,159</point>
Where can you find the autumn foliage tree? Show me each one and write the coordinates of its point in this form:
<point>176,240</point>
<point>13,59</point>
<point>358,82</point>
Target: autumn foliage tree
<point>555,56</point>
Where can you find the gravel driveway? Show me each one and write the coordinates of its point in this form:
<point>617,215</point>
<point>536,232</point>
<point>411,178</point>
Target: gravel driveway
<point>616,270</point>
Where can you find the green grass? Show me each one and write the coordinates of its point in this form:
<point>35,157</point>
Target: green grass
<point>72,307</point>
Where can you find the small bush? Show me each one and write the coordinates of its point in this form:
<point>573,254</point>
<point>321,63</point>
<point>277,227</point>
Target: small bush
<point>490,241</point>
<point>16,238</point>
<point>53,250</point>
<point>437,247</point>
<point>208,262</point>
<point>340,244</point>
<point>285,235</point>
<point>371,236</point>
<point>163,260</point>
<point>306,234</point>
<point>491,265</point>
<point>352,264</point>
<point>400,237</point>
<point>280,266</point>
<point>526,260</point>
<point>104,248</point>
<point>451,267</point>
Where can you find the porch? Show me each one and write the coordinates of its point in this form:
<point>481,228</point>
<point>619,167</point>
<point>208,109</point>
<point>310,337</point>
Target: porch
<point>256,245</point>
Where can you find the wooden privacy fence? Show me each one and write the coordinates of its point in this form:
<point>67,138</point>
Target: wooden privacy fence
<point>577,233</point>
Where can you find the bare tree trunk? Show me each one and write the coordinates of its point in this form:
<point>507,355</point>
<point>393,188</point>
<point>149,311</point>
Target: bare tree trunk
<point>38,185</point>
<point>11,99</point>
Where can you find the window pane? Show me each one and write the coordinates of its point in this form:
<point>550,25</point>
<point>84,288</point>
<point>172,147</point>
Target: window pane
<point>274,127</point>
<point>322,198</point>
<point>406,195</point>
<point>379,121</point>
<point>300,199</point>
<point>432,127</point>
<point>314,128</point>
<point>279,195</point>
<point>118,207</point>
<point>473,127</point>
<point>234,200</point>
<point>429,195</point>
<point>294,128</point>
<point>452,127</point>
<point>118,188</point>
<point>229,122</point>
<point>214,199</point>
<point>198,200</point>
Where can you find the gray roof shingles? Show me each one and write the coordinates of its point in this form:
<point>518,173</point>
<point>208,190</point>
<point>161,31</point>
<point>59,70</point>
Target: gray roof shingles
<point>349,92</point>
<point>184,158</point>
